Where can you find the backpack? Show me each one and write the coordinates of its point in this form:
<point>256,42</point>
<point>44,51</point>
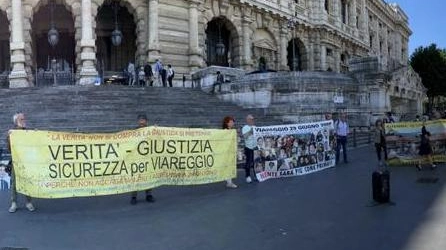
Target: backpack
<point>173,73</point>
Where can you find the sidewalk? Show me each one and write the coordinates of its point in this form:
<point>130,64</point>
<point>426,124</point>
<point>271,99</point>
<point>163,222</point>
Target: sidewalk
<point>327,210</point>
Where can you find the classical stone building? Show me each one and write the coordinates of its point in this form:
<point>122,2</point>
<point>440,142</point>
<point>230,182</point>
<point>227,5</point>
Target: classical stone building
<point>282,35</point>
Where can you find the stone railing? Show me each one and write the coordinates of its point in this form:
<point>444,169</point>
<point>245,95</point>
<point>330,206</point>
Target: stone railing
<point>205,78</point>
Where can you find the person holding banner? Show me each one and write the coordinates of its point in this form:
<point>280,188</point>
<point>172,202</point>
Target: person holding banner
<point>142,122</point>
<point>228,123</point>
<point>19,123</point>
<point>425,148</point>
<point>380,141</point>
<point>250,145</point>
<point>342,131</point>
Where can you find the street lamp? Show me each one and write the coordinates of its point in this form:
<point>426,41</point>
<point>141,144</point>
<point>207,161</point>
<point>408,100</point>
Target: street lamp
<point>292,24</point>
<point>116,36</point>
<point>220,46</point>
<point>53,34</point>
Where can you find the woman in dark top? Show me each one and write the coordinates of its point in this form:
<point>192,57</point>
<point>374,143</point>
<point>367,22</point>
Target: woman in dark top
<point>425,148</point>
<point>229,123</point>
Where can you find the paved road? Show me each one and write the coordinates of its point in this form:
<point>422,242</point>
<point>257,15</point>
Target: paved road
<point>326,210</point>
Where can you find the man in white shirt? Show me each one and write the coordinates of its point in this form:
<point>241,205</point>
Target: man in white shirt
<point>342,131</point>
<point>250,144</point>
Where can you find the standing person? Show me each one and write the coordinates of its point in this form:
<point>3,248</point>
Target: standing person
<point>141,76</point>
<point>19,123</point>
<point>389,118</point>
<point>170,74</point>
<point>163,74</point>
<point>219,81</point>
<point>142,122</point>
<point>342,131</point>
<point>380,141</point>
<point>425,148</point>
<point>250,144</point>
<point>228,123</point>
<point>328,116</point>
<point>158,69</point>
<point>132,73</point>
<point>148,74</point>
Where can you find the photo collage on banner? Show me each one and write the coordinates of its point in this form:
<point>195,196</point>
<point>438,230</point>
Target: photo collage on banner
<point>403,141</point>
<point>293,149</point>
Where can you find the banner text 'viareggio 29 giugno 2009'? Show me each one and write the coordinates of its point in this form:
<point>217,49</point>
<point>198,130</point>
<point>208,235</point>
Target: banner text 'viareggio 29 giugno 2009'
<point>293,149</point>
<point>59,164</point>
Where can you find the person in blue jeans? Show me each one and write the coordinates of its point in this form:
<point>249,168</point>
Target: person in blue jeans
<point>342,131</point>
<point>19,123</point>
<point>142,122</point>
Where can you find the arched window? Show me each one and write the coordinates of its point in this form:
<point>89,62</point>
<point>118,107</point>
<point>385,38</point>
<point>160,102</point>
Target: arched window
<point>344,9</point>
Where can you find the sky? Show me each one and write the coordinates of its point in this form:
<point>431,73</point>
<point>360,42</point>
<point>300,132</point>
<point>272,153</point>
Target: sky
<point>427,20</point>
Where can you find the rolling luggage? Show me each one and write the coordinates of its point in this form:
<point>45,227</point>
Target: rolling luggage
<point>381,186</point>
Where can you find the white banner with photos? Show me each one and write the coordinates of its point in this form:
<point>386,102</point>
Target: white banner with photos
<point>293,149</point>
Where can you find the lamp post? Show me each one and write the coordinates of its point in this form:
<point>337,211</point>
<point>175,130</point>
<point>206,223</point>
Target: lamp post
<point>220,46</point>
<point>53,34</point>
<point>53,39</point>
<point>116,36</point>
<point>292,25</point>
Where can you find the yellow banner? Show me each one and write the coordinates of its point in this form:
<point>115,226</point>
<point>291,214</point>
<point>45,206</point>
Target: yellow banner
<point>59,164</point>
<point>403,142</point>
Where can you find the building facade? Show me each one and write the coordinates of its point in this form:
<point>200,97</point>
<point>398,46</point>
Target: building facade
<point>307,35</point>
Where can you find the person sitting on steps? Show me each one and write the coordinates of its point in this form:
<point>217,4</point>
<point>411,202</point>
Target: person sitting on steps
<point>219,82</point>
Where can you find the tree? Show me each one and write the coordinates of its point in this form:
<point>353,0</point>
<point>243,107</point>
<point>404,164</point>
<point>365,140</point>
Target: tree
<point>430,64</point>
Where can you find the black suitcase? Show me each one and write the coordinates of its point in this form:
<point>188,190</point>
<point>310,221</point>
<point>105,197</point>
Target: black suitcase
<point>381,186</point>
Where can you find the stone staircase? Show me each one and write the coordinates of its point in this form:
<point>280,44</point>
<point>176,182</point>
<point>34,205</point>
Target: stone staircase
<point>114,108</point>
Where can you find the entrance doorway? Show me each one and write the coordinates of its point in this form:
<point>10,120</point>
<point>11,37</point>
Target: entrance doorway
<point>5,56</point>
<point>113,59</point>
<point>54,64</point>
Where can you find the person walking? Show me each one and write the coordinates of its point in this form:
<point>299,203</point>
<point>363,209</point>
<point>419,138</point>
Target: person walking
<point>142,122</point>
<point>19,123</point>
<point>342,131</point>
<point>250,144</point>
<point>425,150</point>
<point>380,141</point>
<point>229,123</point>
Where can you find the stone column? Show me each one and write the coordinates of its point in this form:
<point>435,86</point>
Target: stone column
<point>323,57</point>
<point>316,49</point>
<point>283,47</point>
<point>337,11</point>
<point>363,23</point>
<point>88,71</point>
<point>18,77</point>
<point>247,57</point>
<point>195,57</point>
<point>352,16</point>
<point>153,48</point>
<point>310,56</point>
<point>337,57</point>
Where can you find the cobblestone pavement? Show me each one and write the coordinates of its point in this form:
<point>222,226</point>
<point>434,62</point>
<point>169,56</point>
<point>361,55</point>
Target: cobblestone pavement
<point>331,209</point>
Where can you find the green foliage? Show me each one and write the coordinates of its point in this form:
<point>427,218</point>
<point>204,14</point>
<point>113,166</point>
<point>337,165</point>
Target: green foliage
<point>430,63</point>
